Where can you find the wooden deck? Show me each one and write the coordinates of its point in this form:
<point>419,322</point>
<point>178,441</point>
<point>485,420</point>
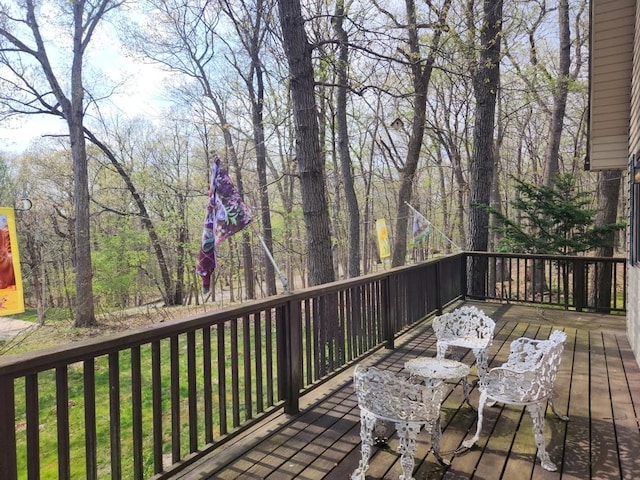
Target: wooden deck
<point>598,385</point>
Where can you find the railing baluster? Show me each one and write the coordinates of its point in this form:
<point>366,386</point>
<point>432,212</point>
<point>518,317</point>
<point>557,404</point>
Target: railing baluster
<point>33,426</point>
<point>248,377</point>
<point>330,320</point>
<point>192,391</point>
<point>174,362</point>
<point>388,317</point>
<point>320,332</point>
<point>62,420</point>
<point>90,434</point>
<point>281,351</point>
<point>207,385</point>
<point>438,283</point>
<point>257,338</point>
<point>580,283</point>
<point>355,338</point>
<point>235,382</point>
<point>268,328</point>
<point>368,319</point>
<point>562,292</point>
<point>222,379</point>
<point>156,387</point>
<point>136,417</point>
<point>312,370</point>
<point>8,461</point>
<point>114,416</point>
<point>624,284</point>
<point>377,312</point>
<point>340,338</point>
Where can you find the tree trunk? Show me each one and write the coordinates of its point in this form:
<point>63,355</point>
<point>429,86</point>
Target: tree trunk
<point>35,260</point>
<point>552,163</point>
<point>178,295</point>
<point>85,315</point>
<point>486,83</point>
<point>353,210</point>
<point>552,155</point>
<point>499,273</point>
<point>420,75</point>
<point>311,168</point>
<point>608,195</point>
<point>461,192</point>
<point>261,168</point>
<point>256,93</point>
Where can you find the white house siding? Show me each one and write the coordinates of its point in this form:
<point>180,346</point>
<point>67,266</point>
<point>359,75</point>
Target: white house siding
<point>633,308</point>
<point>612,27</point>
<point>633,272</point>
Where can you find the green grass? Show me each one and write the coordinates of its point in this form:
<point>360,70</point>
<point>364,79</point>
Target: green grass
<point>31,315</point>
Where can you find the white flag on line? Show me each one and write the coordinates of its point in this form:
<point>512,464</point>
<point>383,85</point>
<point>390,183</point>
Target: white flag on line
<point>421,227</point>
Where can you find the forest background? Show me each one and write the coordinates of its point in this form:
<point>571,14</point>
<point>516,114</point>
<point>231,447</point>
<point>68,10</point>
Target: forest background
<point>393,123</point>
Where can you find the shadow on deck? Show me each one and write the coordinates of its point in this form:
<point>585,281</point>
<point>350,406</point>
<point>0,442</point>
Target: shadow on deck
<point>598,385</point>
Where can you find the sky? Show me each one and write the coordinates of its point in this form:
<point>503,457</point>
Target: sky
<point>142,95</point>
<point>139,93</point>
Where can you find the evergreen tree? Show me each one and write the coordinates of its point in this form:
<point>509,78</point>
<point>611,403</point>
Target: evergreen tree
<point>555,219</point>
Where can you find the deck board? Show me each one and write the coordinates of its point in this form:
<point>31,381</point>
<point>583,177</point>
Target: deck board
<point>624,416</point>
<point>575,460</point>
<point>598,386</point>
<point>604,461</point>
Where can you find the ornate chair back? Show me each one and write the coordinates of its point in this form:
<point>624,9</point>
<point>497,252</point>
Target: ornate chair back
<point>391,397</point>
<point>536,363</point>
<point>385,396</point>
<point>466,327</point>
<point>464,323</point>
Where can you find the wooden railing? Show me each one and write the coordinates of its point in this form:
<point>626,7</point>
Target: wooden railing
<point>146,403</point>
<point>595,284</point>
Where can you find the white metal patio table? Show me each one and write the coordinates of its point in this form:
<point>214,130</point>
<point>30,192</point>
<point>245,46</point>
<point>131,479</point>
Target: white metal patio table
<point>440,369</point>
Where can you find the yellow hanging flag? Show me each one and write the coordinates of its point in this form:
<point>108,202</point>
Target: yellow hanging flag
<point>11,293</point>
<point>384,247</point>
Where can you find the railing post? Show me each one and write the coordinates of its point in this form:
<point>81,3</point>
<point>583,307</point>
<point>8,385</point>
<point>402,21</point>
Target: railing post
<point>289,338</point>
<point>579,283</point>
<point>8,462</point>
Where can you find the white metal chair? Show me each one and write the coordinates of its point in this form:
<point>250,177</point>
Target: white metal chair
<point>466,327</point>
<point>526,378</point>
<point>387,397</point>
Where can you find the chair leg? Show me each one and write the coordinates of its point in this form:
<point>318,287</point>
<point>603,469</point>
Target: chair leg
<point>466,390</point>
<point>536,411</point>
<point>481,403</point>
<point>367,424</point>
<point>564,418</point>
<point>436,435</point>
<point>482,361</point>
<point>407,432</point>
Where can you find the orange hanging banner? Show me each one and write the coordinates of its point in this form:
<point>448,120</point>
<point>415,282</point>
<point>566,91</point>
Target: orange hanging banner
<point>11,292</point>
